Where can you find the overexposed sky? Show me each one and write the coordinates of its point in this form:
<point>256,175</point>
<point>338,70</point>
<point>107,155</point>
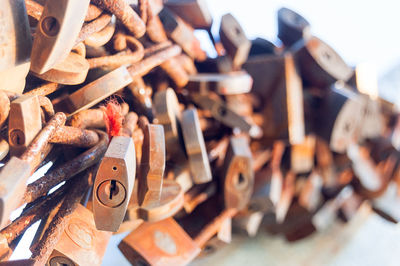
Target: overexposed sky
<point>359,30</point>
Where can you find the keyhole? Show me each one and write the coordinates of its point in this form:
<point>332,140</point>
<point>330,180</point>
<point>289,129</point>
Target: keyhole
<point>113,189</point>
<point>50,26</point>
<point>17,137</point>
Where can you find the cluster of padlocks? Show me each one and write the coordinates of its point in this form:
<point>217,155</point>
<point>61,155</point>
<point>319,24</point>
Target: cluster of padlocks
<point>135,129</point>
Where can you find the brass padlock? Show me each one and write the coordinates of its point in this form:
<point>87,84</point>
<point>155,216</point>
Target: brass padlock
<point>24,123</point>
<point>80,243</point>
<point>114,183</point>
<point>15,45</point>
<point>195,12</point>
<point>234,40</point>
<point>238,175</point>
<point>195,147</point>
<point>57,31</point>
<point>292,27</point>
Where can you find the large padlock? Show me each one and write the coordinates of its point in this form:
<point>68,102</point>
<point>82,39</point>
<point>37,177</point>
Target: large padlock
<point>57,31</point>
<point>15,45</point>
<point>114,183</point>
<point>292,27</point>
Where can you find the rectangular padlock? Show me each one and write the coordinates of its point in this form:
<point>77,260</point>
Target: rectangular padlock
<point>234,40</point>
<point>24,123</point>
<point>238,175</point>
<point>114,183</point>
<point>80,243</point>
<point>15,45</point>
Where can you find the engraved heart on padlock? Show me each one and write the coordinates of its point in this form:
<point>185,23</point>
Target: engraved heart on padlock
<point>80,233</point>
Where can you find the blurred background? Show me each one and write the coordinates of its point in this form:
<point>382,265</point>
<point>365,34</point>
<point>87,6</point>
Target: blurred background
<point>361,31</point>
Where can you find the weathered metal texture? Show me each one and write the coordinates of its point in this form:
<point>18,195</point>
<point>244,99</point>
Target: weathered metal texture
<point>320,65</point>
<point>176,72</point>
<point>4,107</point>
<point>15,45</point>
<point>44,89</point>
<point>58,29</point>
<point>292,27</point>
<point>80,243</point>
<point>195,147</point>
<point>53,233</point>
<point>122,58</point>
<point>157,58</point>
<point>75,136</point>
<point>238,175</point>
<point>93,12</point>
<point>152,164</point>
<point>103,36</point>
<point>98,90</point>
<point>114,183</point>
<point>182,34</point>
<point>123,12</point>
<point>67,170</point>
<point>70,71</point>
<point>161,243</point>
<point>130,124</point>
<point>93,26</point>
<point>91,118</point>
<point>238,82</point>
<point>234,40</point>
<point>197,195</point>
<point>168,114</point>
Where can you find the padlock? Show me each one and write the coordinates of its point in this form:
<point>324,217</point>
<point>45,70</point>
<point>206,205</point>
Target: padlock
<point>168,115</point>
<point>182,34</point>
<point>232,83</point>
<point>238,175</point>
<point>288,123</point>
<point>57,32</point>
<point>15,45</point>
<point>152,165</point>
<point>98,90</point>
<point>320,65</point>
<point>161,243</point>
<point>24,123</point>
<point>80,243</point>
<point>214,104</point>
<point>292,27</point>
<point>114,183</point>
<point>234,40</point>
<point>195,12</point>
<point>260,46</point>
<point>70,71</point>
<point>334,117</point>
<point>195,147</point>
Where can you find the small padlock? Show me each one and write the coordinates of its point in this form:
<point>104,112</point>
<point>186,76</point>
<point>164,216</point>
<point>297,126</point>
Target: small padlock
<point>24,123</point>
<point>238,177</point>
<point>114,183</point>
<point>234,40</point>
<point>292,27</point>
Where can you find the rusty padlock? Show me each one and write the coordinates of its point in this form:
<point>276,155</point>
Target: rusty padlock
<point>292,27</point>
<point>24,123</point>
<point>114,183</point>
<point>234,40</point>
<point>195,147</point>
<point>238,175</point>
<point>58,28</point>
<point>15,45</point>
